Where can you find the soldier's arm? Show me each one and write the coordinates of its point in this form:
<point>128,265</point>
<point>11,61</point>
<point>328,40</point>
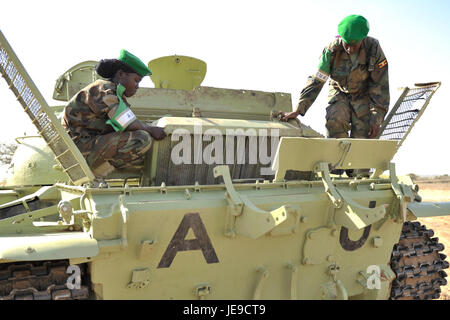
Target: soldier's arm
<point>156,132</point>
<point>379,88</point>
<point>313,86</point>
<point>124,120</point>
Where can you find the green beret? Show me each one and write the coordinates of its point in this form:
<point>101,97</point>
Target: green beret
<point>353,29</point>
<point>134,62</point>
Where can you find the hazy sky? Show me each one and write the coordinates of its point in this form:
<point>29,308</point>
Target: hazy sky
<point>259,45</point>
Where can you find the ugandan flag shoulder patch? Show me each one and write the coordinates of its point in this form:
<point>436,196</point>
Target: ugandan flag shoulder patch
<point>382,64</point>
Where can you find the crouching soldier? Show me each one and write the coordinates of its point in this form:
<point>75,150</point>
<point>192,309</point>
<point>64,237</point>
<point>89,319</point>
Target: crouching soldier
<point>101,123</point>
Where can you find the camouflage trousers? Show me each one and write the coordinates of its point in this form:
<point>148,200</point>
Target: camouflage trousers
<point>348,113</point>
<point>116,149</point>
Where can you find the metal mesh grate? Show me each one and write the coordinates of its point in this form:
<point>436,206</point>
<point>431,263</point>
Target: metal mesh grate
<point>242,167</point>
<point>66,153</point>
<point>406,111</point>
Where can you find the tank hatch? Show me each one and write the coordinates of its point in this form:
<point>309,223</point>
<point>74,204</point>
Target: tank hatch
<point>75,79</point>
<point>177,72</point>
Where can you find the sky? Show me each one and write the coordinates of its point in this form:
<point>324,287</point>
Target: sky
<point>257,45</point>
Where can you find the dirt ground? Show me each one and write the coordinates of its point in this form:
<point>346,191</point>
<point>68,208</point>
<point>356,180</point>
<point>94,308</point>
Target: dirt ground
<point>438,192</point>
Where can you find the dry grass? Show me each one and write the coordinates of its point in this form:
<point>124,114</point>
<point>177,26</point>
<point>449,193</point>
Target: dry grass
<point>438,192</point>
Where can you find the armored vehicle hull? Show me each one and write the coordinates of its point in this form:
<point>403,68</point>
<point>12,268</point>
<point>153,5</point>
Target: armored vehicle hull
<point>232,204</point>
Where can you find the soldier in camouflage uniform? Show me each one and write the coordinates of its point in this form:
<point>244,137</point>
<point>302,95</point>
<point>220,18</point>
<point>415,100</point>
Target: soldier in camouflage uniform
<point>358,96</point>
<point>101,123</point>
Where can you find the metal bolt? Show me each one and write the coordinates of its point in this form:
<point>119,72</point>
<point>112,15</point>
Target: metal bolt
<point>377,242</point>
<point>30,250</point>
<point>65,206</point>
<point>334,232</point>
<point>65,210</point>
<point>353,184</point>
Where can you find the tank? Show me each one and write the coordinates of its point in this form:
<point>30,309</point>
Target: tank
<point>232,204</point>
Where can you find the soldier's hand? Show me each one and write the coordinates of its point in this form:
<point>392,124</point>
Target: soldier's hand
<point>157,132</point>
<point>375,125</point>
<point>285,116</point>
<point>374,130</point>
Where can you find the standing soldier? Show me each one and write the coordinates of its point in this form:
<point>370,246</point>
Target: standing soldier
<point>359,85</point>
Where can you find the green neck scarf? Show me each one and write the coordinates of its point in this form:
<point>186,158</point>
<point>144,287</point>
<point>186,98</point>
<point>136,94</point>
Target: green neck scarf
<point>122,107</point>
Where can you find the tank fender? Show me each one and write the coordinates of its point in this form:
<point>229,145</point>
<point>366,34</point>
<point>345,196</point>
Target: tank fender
<point>52,246</point>
<point>429,209</point>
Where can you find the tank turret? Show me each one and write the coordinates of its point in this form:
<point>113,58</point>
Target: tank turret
<point>33,164</point>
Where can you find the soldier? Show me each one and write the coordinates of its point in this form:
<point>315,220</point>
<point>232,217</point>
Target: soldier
<point>359,87</point>
<point>101,123</point>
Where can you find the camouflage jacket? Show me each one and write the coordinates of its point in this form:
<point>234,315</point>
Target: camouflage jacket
<point>87,112</point>
<point>369,77</point>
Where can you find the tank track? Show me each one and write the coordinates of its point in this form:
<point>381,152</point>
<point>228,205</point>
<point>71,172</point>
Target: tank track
<point>418,265</point>
<point>39,280</point>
